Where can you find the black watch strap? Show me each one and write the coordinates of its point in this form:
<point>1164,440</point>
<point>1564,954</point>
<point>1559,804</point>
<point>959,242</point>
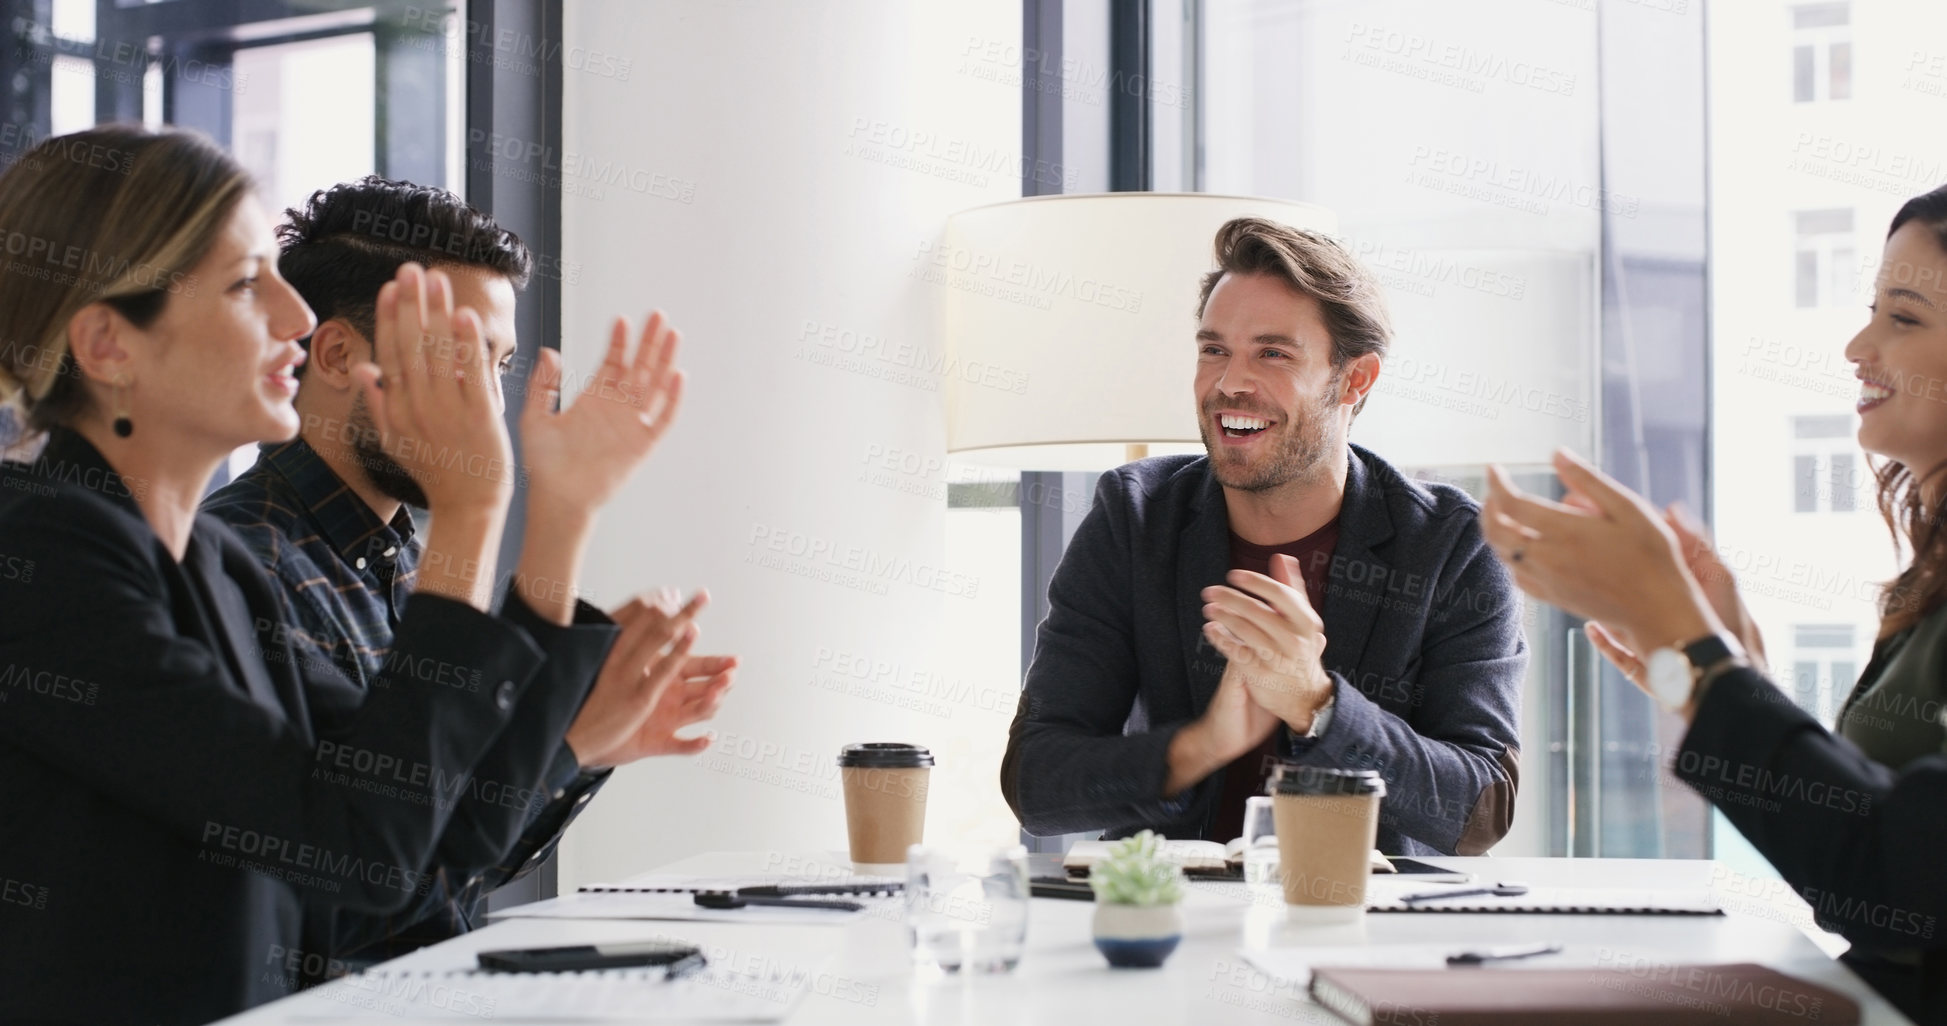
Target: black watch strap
<point>1707,652</point>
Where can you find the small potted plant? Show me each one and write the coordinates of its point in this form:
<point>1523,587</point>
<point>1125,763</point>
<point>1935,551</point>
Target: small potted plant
<point>1137,894</point>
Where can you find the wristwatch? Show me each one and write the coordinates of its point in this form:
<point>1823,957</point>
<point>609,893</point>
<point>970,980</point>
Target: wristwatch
<point>1675,674</point>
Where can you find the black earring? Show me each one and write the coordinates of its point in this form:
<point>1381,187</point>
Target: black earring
<point>124,427</point>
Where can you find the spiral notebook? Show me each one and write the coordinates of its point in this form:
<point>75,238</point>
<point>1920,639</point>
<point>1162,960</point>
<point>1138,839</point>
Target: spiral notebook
<point>669,897</point>
<point>1551,900</point>
<point>766,993</point>
<point>658,883</point>
<point>679,906</point>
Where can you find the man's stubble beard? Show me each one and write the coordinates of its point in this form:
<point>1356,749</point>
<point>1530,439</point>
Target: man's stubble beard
<point>1304,446</point>
<point>382,471</point>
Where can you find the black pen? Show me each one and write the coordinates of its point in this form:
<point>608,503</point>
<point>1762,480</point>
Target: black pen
<point>724,899</point>
<point>795,890</point>
<point>1502,954</point>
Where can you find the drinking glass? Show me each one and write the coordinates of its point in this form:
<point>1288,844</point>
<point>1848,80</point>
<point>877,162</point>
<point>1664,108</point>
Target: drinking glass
<point>967,907</point>
<point>1260,841</point>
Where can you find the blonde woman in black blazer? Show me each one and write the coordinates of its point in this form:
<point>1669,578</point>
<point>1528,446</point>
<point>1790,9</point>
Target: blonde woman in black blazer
<point>177,785</point>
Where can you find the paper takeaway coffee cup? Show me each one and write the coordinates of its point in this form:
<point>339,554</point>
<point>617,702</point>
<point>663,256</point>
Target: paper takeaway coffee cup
<point>885,799</point>
<point>1327,821</point>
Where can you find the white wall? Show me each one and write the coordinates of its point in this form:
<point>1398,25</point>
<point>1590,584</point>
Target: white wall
<point>765,166</point>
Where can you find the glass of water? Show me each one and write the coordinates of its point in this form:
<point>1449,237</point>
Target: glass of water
<point>1260,841</point>
<point>967,907</point>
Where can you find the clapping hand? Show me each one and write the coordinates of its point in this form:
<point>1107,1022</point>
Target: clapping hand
<point>437,412</point>
<point>1272,641</point>
<point>431,394</point>
<point>578,457</point>
<point>690,697</point>
<point>1719,587</point>
<point>1604,554</point>
<point>648,655</point>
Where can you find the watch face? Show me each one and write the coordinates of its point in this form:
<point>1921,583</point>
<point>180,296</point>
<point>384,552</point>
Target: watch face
<point>1670,677</point>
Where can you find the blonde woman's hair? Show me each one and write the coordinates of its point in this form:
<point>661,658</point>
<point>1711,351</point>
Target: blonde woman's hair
<point>116,214</point>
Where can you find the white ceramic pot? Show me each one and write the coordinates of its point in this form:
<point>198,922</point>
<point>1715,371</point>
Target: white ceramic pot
<point>1137,936</point>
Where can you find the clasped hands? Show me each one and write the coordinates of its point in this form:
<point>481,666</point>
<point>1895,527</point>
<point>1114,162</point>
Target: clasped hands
<point>1274,641</point>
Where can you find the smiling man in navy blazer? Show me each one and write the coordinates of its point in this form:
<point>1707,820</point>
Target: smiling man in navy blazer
<point>1288,595</point>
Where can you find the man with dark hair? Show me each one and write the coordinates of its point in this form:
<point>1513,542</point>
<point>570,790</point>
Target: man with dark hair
<point>1286,596</point>
<point>330,515</point>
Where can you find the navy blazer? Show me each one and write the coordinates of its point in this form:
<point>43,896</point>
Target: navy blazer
<point>179,785</point>
<point>1423,643</point>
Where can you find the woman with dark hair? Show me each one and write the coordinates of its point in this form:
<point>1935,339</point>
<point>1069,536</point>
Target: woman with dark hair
<point>177,784</point>
<point>1857,820</point>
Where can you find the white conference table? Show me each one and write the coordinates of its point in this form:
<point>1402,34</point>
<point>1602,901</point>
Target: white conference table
<point>861,972</point>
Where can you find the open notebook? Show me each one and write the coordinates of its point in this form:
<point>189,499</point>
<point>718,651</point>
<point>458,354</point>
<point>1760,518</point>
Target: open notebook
<point>1198,858</point>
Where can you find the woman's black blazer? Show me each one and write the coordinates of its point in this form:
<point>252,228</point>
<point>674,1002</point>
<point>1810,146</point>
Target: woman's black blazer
<point>1864,845</point>
<point>170,786</point>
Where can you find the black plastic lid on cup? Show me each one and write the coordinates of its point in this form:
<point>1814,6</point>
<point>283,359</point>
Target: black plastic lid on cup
<point>1326,780</point>
<point>885,755</point>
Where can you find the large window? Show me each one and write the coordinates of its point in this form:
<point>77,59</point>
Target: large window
<point>306,117</point>
<point>1500,161</point>
<point>1533,240</point>
<point>974,685</point>
<point>305,94</point>
<point>1722,211</point>
<point>1792,177</point>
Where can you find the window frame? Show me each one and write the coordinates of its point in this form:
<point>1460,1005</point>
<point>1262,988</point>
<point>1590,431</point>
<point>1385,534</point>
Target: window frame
<point>1820,43</point>
<point>1835,260</point>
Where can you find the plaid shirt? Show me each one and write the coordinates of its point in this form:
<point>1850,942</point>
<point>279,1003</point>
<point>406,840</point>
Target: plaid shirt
<point>345,578</point>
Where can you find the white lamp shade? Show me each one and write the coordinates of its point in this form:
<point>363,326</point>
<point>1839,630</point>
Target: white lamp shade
<point>1071,322</point>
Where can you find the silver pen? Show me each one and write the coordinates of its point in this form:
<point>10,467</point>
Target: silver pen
<point>1503,954</point>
